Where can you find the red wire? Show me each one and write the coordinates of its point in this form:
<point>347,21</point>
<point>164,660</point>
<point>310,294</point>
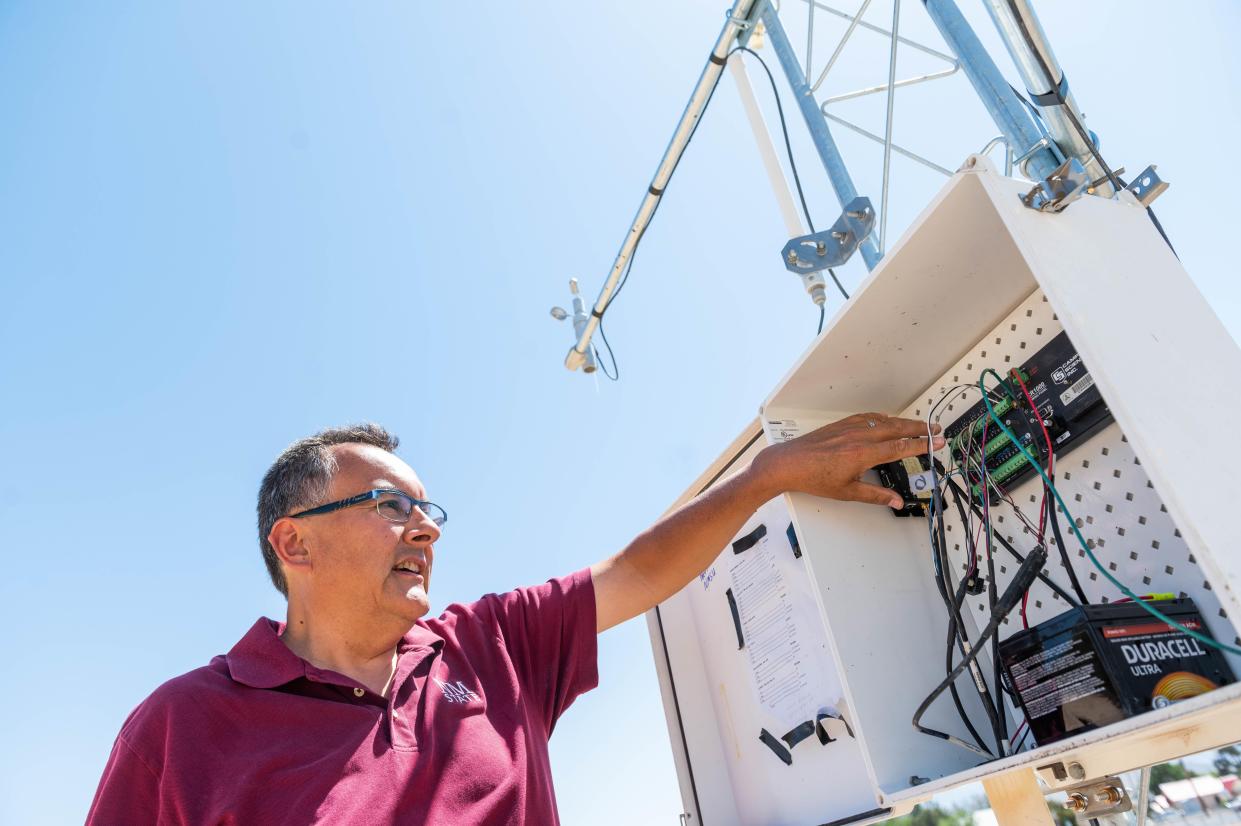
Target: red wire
<point>1016,738</point>
<point>1042,511</point>
<point>1051,459</point>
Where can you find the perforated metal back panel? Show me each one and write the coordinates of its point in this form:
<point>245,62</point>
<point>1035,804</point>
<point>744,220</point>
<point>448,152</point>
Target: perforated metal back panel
<point>1102,481</point>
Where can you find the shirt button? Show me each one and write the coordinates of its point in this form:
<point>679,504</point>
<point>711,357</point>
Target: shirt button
<point>358,692</point>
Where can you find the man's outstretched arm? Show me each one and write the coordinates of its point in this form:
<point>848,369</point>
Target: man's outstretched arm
<point>826,463</point>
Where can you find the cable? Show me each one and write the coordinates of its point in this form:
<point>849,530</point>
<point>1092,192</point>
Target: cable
<point>615,374</point>
<point>1158,226</point>
<point>1020,583</point>
<point>960,599</point>
<point>1078,126</point>
<point>956,624</point>
<point>788,146</point>
<point>832,273</point>
<point>1006,545</point>
<point>1055,84</point>
<point>822,315</point>
<point>956,630</point>
<point>1051,476</point>
<point>1150,609</point>
<point>956,696</point>
<point>991,592</point>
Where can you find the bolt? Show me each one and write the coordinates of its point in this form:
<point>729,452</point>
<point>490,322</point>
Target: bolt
<point>1109,795</point>
<point>838,235</point>
<point>1076,802</point>
<point>1076,771</point>
<point>792,256</point>
<point>820,248</point>
<point>859,214</point>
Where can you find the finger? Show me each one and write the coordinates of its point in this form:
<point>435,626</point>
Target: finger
<point>894,428</point>
<point>871,494</point>
<point>865,418</point>
<point>906,446</point>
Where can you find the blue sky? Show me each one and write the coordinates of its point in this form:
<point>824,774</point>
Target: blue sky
<point>224,226</point>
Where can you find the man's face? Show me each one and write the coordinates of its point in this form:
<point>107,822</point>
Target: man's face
<point>354,553</point>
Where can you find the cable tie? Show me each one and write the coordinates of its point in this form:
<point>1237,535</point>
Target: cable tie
<point>656,192</point>
<point>1057,96</point>
<point>718,61</point>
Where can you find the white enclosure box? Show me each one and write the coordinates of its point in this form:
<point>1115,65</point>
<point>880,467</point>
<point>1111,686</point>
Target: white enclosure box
<point>977,281</point>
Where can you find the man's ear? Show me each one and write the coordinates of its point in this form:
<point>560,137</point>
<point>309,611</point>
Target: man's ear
<point>289,542</point>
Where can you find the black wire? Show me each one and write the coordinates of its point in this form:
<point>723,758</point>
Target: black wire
<point>615,374</point>
<point>1150,213</point>
<point>956,630</point>
<point>822,315</point>
<point>1042,453</point>
<point>956,697</point>
<point>1055,84</point>
<point>993,708</point>
<point>1024,738</point>
<point>1064,552</point>
<point>1029,105</point>
<point>832,273</point>
<point>1006,545</point>
<point>658,201</point>
<point>1117,181</point>
<point>1002,733</point>
<point>788,146</point>
<point>1006,604</point>
<point>1077,124</point>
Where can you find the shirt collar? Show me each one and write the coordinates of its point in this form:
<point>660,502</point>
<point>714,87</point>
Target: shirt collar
<point>260,659</point>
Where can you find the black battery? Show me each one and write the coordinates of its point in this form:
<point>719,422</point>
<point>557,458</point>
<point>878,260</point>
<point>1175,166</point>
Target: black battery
<point>1096,664</point>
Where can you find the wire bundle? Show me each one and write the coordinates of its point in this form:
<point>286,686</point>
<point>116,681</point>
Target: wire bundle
<point>972,498</point>
<point>980,500</point>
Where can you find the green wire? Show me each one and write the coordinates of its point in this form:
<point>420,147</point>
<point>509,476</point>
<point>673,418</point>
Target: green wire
<point>1073,524</point>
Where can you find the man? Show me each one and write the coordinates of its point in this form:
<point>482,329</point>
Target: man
<point>358,709</point>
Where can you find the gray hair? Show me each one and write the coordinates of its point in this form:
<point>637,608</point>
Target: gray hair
<point>301,475</point>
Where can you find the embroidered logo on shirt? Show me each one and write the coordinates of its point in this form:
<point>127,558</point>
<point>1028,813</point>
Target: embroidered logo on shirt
<point>455,692</point>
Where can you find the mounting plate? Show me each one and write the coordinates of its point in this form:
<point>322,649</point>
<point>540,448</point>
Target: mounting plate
<point>831,247</point>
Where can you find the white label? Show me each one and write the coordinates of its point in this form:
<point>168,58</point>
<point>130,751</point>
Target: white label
<point>1080,386</point>
<point>783,430</point>
<point>920,484</point>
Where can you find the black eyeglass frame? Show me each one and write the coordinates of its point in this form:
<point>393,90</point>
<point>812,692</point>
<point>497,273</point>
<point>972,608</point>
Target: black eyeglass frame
<point>374,495</point>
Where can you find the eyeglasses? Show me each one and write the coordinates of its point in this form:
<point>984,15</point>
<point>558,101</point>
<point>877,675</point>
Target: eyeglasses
<point>393,505</point>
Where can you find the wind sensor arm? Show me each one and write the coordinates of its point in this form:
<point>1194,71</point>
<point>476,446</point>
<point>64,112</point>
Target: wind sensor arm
<point>741,19</point>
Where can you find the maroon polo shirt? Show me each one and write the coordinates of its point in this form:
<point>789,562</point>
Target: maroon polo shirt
<point>261,736</point>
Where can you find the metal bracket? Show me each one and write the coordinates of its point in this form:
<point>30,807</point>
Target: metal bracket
<point>1147,186</point>
<point>832,247</point>
<point>750,27</point>
<point>1061,188</point>
<point>1105,796</point>
<point>1057,774</point>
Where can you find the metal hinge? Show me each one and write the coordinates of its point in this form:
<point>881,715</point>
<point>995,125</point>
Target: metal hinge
<point>1059,189</point>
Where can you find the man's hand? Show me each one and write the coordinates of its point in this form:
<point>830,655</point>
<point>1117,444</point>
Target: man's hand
<point>827,462</point>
